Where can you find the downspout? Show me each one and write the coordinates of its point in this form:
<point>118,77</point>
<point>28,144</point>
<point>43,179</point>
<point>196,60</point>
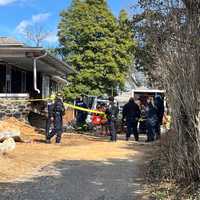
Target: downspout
<point>35,71</point>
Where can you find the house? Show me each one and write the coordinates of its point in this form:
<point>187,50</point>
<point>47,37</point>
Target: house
<point>27,73</point>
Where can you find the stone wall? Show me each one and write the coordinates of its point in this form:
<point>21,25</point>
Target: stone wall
<point>10,108</point>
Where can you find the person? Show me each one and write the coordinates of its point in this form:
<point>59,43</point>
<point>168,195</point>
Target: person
<point>159,104</point>
<point>104,121</point>
<point>142,121</point>
<point>112,115</point>
<point>97,119</point>
<point>151,119</point>
<point>57,112</point>
<point>80,115</point>
<point>131,113</point>
<point>49,121</point>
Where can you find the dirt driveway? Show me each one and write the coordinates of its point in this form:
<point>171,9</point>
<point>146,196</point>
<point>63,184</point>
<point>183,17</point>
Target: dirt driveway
<point>82,168</point>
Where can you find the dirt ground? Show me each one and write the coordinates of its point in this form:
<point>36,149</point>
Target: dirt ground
<point>28,158</point>
<point>81,163</point>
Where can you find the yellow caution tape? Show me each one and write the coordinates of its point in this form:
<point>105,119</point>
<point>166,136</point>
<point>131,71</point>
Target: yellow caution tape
<point>47,99</point>
<point>83,109</point>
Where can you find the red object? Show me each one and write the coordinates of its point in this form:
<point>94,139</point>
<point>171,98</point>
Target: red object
<point>96,120</point>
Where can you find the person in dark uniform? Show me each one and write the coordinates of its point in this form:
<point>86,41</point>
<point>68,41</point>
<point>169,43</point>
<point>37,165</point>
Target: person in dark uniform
<point>112,115</point>
<point>49,121</point>
<point>131,113</point>
<point>159,104</point>
<point>142,122</point>
<point>80,115</point>
<point>151,121</point>
<point>58,110</point>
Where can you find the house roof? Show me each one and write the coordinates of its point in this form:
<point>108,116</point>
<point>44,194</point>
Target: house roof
<point>16,53</point>
<point>147,90</point>
<point>5,41</point>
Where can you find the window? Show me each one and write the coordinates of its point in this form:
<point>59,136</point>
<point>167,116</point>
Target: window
<point>12,79</point>
<point>8,79</point>
<point>45,86</point>
<point>16,80</point>
<point>2,78</point>
<point>23,82</point>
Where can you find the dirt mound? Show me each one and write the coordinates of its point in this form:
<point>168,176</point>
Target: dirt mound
<point>27,132</point>
<point>7,146</point>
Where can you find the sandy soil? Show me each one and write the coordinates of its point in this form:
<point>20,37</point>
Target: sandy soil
<point>28,133</point>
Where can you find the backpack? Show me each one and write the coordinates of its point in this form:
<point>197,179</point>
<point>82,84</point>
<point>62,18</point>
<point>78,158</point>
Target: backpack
<point>59,107</point>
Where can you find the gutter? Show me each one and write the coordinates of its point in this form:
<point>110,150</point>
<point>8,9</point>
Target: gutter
<point>35,71</point>
<point>60,80</point>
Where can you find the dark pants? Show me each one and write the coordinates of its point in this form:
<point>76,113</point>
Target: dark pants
<point>49,127</point>
<point>112,130</point>
<point>54,128</point>
<point>158,130</point>
<point>54,132</point>
<point>142,126</point>
<point>150,131</point>
<point>132,129</point>
<point>81,116</point>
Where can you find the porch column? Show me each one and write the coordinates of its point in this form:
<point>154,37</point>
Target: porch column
<point>45,86</point>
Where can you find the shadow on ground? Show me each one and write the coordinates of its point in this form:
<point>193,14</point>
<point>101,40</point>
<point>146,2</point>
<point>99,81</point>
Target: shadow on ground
<point>114,179</point>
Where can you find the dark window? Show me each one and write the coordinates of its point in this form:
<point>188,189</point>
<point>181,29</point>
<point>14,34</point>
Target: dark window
<point>23,83</point>
<point>29,81</point>
<point>16,80</point>
<point>12,79</point>
<point>2,78</point>
<point>8,79</point>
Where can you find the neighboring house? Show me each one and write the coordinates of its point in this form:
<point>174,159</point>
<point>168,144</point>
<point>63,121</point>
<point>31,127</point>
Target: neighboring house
<point>27,73</point>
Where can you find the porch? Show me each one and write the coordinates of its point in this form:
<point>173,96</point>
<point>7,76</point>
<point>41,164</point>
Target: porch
<point>28,72</point>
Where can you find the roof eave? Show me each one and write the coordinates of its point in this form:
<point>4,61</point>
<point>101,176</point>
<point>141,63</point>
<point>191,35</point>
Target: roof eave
<point>24,52</point>
<point>70,70</point>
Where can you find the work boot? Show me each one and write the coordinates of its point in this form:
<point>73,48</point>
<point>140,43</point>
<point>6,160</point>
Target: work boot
<point>136,138</point>
<point>58,139</point>
<point>157,137</point>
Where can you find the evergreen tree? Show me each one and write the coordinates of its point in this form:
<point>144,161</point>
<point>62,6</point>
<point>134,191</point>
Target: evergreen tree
<point>96,45</point>
<point>126,45</point>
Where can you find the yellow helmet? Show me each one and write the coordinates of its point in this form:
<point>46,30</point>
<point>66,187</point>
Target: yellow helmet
<point>53,97</point>
<point>59,94</point>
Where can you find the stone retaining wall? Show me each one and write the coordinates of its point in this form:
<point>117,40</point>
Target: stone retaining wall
<point>9,108</point>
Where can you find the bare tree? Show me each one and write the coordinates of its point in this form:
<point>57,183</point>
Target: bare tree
<point>174,33</point>
<point>36,33</point>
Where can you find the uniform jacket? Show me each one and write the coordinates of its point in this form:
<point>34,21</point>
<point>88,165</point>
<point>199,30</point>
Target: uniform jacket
<point>151,114</point>
<point>131,111</point>
<point>112,112</point>
<point>81,115</point>
<point>58,112</point>
<point>159,104</point>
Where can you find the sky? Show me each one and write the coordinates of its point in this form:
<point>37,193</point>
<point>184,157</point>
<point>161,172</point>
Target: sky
<point>16,15</point>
